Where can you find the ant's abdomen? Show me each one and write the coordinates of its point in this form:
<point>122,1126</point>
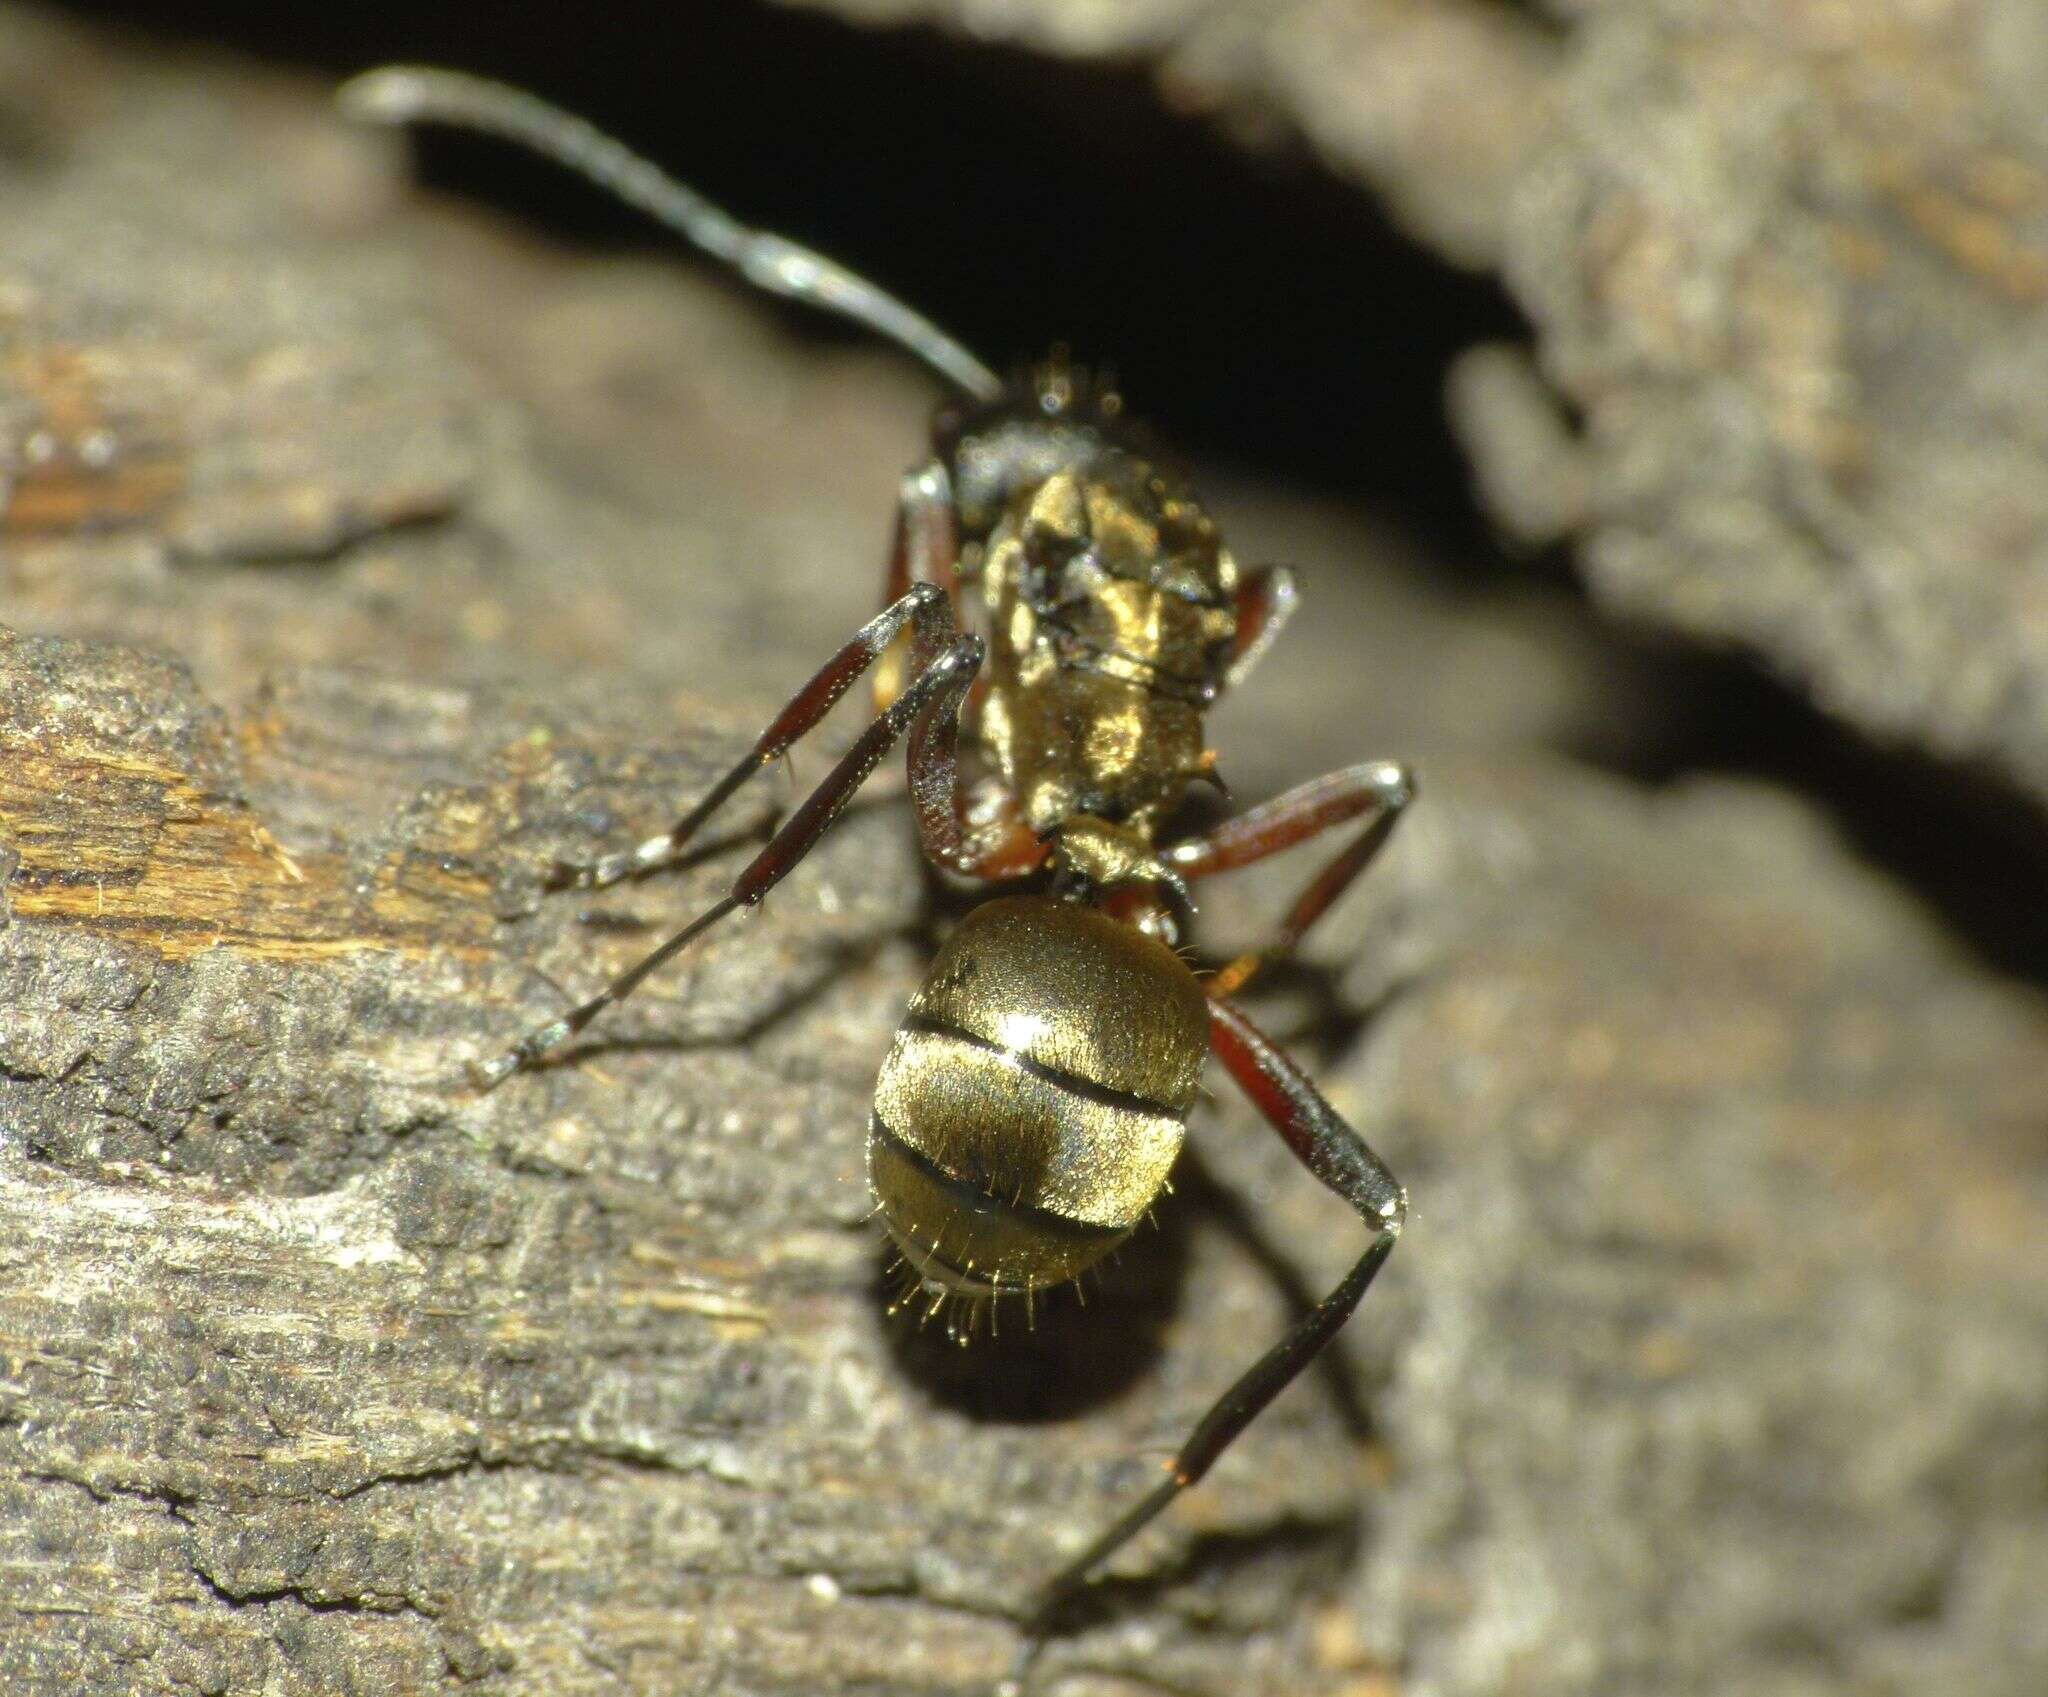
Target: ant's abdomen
<point>1036,1096</point>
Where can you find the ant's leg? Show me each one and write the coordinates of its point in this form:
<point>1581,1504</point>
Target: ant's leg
<point>933,698</point>
<point>1377,789</point>
<point>925,549</point>
<point>924,608</point>
<point>998,843</point>
<point>1266,600</point>
<point>1337,1156</point>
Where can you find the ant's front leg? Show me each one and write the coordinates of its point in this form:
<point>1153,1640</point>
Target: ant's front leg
<point>927,710</point>
<point>1377,790</point>
<point>1341,1160</point>
<point>925,549</point>
<point>928,613</point>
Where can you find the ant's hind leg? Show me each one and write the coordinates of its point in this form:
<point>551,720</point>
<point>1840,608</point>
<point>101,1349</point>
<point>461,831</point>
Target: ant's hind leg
<point>927,711</point>
<point>924,609</point>
<point>1340,1159</point>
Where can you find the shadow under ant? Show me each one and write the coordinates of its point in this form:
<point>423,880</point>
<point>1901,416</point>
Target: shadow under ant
<point>1077,1350</point>
<point>1194,1180</point>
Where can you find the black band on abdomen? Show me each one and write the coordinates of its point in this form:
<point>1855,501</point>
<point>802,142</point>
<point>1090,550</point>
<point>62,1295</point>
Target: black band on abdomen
<point>977,1200</point>
<point>1074,1083</point>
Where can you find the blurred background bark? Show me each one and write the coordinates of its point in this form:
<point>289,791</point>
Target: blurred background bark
<point>365,547</point>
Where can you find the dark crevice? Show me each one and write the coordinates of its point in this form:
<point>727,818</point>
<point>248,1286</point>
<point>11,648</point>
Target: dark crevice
<point>438,1473</point>
<point>1255,307</point>
<point>257,1596</point>
<point>1966,842</point>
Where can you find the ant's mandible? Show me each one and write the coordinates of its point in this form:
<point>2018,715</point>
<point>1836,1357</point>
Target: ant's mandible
<point>1031,1109</point>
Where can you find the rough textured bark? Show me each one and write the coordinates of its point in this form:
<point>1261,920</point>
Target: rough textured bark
<point>359,558</point>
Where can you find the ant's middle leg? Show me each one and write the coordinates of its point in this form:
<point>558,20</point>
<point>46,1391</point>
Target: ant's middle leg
<point>928,710</point>
<point>1376,790</point>
<point>926,609</point>
<point>1266,600</point>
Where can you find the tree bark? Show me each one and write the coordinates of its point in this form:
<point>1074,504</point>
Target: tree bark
<point>362,557</point>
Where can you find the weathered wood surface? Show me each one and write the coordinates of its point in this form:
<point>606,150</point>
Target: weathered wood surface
<point>361,556</point>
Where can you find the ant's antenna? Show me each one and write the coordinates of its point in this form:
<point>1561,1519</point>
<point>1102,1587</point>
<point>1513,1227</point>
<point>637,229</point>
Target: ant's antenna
<point>410,94</point>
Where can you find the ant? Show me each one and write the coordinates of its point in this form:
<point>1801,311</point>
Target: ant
<point>1030,1111</point>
